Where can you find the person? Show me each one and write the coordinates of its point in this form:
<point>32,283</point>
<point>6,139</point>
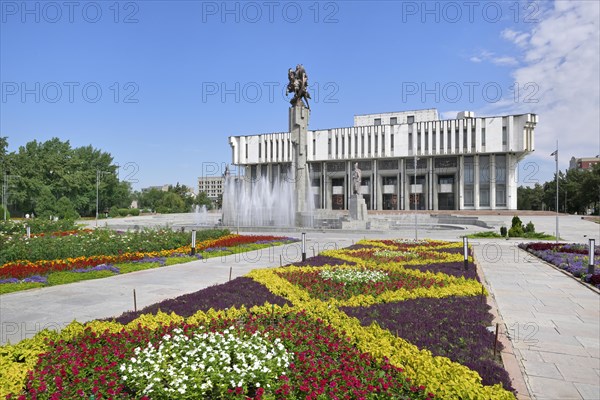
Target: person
<point>356,179</point>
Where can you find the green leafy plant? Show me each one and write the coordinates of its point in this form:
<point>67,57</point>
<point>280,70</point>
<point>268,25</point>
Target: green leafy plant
<point>529,228</point>
<point>516,222</point>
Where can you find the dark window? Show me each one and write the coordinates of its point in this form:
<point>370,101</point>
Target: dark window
<point>377,121</point>
<point>393,120</point>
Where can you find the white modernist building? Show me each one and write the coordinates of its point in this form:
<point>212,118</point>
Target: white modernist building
<point>466,163</point>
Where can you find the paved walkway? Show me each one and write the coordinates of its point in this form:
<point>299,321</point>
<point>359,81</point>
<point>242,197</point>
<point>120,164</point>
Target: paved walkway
<point>552,321</point>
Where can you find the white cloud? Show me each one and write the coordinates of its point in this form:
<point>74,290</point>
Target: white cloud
<point>505,60</point>
<point>517,37</point>
<point>561,66</point>
<point>491,57</point>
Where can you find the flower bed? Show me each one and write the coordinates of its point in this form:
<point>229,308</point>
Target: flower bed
<point>99,242</point>
<point>311,360</point>
<point>19,272</point>
<point>572,258</point>
<point>343,284</point>
<point>333,355</point>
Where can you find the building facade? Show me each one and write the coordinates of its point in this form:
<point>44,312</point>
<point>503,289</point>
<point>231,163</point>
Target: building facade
<point>211,185</point>
<point>585,163</point>
<point>409,160</point>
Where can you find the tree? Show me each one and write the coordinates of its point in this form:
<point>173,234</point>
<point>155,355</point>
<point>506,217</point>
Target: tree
<point>45,203</point>
<point>171,203</point>
<point>66,172</point>
<point>65,209</point>
<point>202,199</point>
<point>150,198</point>
<point>530,198</point>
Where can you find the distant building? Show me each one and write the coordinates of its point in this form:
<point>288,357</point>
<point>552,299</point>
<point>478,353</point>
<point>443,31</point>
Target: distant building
<point>211,185</point>
<point>163,188</point>
<point>585,163</point>
<point>465,163</point>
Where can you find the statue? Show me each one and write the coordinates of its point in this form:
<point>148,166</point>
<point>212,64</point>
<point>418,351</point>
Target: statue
<point>356,179</point>
<point>298,84</point>
<point>226,174</point>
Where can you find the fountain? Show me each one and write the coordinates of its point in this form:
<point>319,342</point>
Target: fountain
<point>201,217</point>
<point>261,202</point>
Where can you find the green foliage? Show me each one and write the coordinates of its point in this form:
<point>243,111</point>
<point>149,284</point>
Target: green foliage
<point>516,222</point>
<point>529,228</point>
<point>530,198</point>
<point>45,203</point>
<point>179,260</point>
<point>64,209</point>
<point>4,216</point>
<point>516,231</point>
<point>16,287</point>
<point>134,212</point>
<point>202,199</point>
<point>538,235</point>
<point>61,278</point>
<point>123,212</point>
<point>37,225</point>
<point>489,234</point>
<point>126,268</point>
<point>172,203</point>
<point>113,212</point>
<point>53,169</point>
<point>100,242</point>
<point>503,231</point>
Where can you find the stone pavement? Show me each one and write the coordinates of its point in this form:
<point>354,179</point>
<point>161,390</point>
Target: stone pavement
<point>551,320</point>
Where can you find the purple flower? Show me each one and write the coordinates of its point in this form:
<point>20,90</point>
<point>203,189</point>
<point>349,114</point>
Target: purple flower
<point>101,267</point>
<point>35,279</point>
<point>160,260</point>
<point>9,280</point>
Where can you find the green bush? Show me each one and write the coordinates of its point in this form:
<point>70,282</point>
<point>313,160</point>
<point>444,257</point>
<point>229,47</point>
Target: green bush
<point>529,228</point>
<point>515,231</point>
<point>113,213</point>
<point>516,222</point>
<point>134,212</point>
<point>503,231</point>
<point>65,209</point>
<point>123,212</point>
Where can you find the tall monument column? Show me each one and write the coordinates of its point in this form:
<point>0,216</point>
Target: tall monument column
<point>298,116</point>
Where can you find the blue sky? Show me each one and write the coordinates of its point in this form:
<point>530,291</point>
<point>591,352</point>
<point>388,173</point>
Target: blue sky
<point>162,84</point>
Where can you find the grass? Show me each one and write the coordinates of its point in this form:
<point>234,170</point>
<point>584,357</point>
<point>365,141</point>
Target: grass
<point>527,235</point>
<point>488,234</point>
<point>16,287</point>
<point>61,278</point>
<point>126,268</point>
<point>179,260</point>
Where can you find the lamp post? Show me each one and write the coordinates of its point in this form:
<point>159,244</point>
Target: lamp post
<point>98,175</point>
<point>555,154</point>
